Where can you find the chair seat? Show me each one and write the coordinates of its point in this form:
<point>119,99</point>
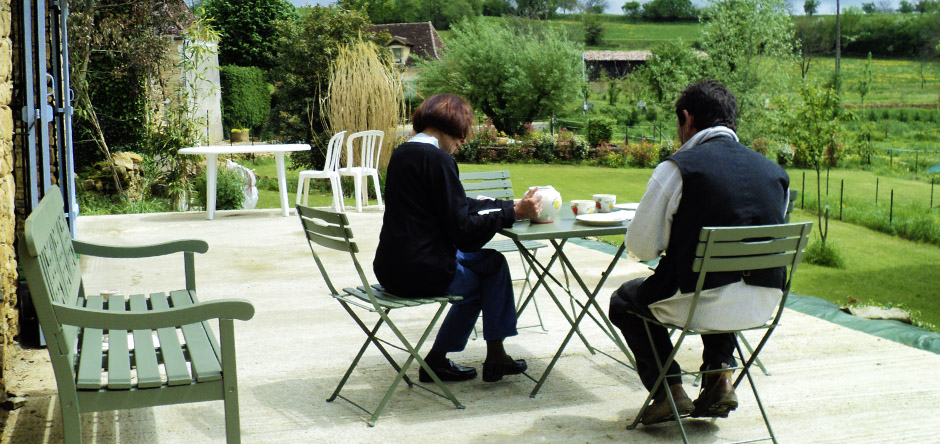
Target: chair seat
<point>507,245</point>
<point>318,174</point>
<point>387,300</point>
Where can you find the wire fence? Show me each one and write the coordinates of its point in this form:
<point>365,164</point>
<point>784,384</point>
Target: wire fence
<point>907,209</point>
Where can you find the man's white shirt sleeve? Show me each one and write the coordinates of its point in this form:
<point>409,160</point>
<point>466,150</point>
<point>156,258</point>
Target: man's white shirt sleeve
<point>649,231</point>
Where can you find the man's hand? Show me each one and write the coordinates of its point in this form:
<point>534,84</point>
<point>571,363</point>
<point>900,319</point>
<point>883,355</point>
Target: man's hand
<point>529,206</point>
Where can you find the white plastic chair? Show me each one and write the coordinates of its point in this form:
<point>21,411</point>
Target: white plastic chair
<point>370,152</point>
<point>329,172</point>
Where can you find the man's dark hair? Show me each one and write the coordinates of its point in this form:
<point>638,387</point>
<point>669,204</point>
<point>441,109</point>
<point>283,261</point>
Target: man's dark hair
<point>710,103</point>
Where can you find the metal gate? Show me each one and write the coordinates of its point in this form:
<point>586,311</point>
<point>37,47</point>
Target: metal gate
<point>43,91</point>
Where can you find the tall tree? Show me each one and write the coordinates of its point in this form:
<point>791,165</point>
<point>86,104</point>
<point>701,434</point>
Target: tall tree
<point>305,50</point>
<point>248,29</point>
<point>593,6</point>
<point>810,6</point>
<point>749,45</point>
<point>669,11</point>
<point>905,7</point>
<point>512,73</point>
<point>631,9</point>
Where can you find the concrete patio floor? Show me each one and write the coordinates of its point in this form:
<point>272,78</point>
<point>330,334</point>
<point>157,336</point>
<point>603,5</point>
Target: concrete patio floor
<point>828,383</point>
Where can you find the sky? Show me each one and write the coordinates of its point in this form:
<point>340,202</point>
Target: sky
<point>614,6</point>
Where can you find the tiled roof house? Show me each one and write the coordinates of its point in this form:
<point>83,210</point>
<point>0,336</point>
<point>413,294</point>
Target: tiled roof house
<point>411,40</point>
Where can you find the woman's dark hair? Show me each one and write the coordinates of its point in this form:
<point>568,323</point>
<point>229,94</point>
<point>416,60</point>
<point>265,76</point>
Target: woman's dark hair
<point>448,113</point>
<point>710,103</point>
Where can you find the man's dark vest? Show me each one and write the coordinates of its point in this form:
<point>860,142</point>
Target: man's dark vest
<point>723,184</point>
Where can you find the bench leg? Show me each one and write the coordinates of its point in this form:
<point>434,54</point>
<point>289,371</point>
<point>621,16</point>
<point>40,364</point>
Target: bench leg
<point>71,418</point>
<point>229,381</point>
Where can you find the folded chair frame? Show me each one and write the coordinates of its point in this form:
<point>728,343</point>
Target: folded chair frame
<point>331,230</point>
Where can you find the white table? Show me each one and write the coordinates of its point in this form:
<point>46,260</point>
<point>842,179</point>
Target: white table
<point>212,161</point>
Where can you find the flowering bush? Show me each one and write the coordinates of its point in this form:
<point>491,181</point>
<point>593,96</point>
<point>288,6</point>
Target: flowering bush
<point>574,146</point>
<point>643,154</point>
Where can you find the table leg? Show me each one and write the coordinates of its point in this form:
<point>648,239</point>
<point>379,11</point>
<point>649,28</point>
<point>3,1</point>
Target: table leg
<point>212,171</point>
<point>542,272</point>
<point>282,182</point>
<point>608,328</point>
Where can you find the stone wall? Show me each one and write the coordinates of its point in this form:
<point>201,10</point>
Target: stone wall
<point>8,276</point>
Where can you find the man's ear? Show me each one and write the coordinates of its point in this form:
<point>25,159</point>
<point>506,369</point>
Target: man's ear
<point>689,120</point>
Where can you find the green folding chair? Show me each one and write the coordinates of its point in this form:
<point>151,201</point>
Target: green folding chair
<point>331,230</point>
<point>724,249</point>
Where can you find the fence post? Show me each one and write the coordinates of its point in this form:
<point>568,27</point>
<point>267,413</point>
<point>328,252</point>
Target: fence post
<point>890,157</point>
<point>891,210</point>
<point>803,192</point>
<point>876,191</point>
<point>841,190</point>
<point>931,194</point>
<point>916,158</point>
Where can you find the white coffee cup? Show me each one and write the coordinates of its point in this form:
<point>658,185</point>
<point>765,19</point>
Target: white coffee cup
<point>579,207</point>
<point>605,202</point>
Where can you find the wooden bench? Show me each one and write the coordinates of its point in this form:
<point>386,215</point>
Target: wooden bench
<point>115,353</point>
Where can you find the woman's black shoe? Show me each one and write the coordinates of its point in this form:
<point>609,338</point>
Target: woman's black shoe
<point>495,372</point>
<point>448,372</point>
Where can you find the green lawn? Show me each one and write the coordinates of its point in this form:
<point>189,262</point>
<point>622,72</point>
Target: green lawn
<point>880,269</point>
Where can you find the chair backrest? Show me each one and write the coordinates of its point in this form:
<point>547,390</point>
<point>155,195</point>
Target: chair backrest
<point>495,184</point>
<point>370,148</point>
<point>334,151</point>
<point>723,249</point>
<point>330,230</point>
<point>52,271</point>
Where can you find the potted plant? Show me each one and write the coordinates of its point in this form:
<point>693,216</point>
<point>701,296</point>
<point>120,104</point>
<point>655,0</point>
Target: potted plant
<point>240,135</point>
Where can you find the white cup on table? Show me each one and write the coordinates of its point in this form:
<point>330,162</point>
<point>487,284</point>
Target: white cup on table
<point>605,202</point>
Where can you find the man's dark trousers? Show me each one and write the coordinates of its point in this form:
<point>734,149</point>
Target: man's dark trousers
<point>625,305</point>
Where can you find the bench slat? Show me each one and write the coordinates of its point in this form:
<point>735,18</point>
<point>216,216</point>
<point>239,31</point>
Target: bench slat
<point>177,372</point>
<point>119,357</point>
<point>90,359</point>
<point>206,366</point>
<point>145,354</point>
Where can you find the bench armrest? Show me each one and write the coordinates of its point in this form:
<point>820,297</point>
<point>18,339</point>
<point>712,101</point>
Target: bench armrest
<point>139,251</point>
<point>173,317</point>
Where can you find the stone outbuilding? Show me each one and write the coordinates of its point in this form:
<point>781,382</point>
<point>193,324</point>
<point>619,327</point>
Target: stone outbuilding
<point>614,63</point>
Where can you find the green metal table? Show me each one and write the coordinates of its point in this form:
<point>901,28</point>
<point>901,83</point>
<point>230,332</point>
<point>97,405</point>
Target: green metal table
<point>558,232</point>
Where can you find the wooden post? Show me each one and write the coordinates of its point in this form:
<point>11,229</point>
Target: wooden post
<point>803,192</point>
<point>891,210</point>
<point>931,194</point>
<point>841,190</point>
<point>876,191</point>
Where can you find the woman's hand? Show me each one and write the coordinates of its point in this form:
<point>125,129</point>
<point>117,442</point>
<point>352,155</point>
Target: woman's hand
<point>529,206</point>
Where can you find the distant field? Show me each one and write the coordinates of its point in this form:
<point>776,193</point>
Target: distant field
<point>893,81</point>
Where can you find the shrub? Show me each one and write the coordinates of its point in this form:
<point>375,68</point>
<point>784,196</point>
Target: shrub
<point>826,255</point>
<point>784,154</point>
<point>229,190</point>
<point>608,157</point>
<point>545,147</point>
<point>575,145</point>
<point>600,129</point>
<point>246,100</point>
<point>761,145</point>
<point>470,151</point>
<point>643,154</point>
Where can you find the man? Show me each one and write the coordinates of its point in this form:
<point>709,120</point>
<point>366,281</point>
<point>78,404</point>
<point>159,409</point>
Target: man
<point>712,180</point>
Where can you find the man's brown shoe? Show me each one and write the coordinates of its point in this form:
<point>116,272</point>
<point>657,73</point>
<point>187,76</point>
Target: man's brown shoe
<point>660,411</point>
<point>717,398</point>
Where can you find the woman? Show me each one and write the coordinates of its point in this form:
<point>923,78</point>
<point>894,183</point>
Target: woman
<point>432,237</point>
